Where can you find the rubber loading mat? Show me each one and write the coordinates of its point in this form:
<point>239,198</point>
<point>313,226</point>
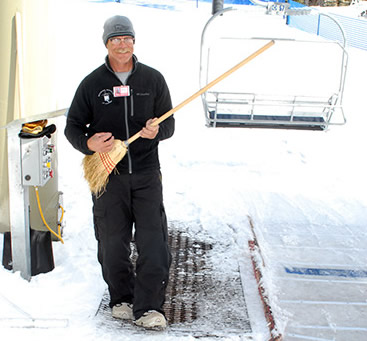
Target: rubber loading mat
<point>199,302</point>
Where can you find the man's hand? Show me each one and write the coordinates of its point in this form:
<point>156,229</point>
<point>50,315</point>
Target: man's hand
<point>149,131</point>
<point>100,142</point>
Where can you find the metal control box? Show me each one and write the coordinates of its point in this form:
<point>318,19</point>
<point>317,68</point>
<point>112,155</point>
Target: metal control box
<point>36,160</point>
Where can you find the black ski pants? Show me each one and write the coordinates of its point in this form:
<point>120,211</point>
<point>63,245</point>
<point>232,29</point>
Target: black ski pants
<point>133,200</point>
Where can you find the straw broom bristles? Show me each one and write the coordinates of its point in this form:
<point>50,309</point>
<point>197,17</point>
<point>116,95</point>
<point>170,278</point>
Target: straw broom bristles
<point>98,166</point>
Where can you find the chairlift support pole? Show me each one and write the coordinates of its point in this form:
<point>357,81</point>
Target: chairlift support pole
<point>217,5</point>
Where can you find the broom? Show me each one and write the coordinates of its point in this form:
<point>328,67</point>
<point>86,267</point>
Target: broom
<point>98,166</point>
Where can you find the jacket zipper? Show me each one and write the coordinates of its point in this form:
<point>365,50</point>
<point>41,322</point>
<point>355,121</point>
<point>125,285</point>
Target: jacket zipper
<point>132,102</point>
<point>127,135</point>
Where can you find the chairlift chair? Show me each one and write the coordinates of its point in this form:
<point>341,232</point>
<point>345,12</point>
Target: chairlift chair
<point>282,88</point>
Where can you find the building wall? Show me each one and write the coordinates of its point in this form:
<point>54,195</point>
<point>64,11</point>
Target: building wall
<point>30,87</point>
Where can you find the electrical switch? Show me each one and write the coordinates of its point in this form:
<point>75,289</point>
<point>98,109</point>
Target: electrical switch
<point>36,161</point>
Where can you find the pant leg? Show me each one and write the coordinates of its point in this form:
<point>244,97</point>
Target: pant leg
<point>113,229</point>
<point>154,257</point>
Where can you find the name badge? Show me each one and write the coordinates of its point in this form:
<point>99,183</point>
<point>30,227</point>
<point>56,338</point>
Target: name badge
<point>121,91</point>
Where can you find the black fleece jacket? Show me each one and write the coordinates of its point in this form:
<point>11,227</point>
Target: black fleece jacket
<point>95,108</point>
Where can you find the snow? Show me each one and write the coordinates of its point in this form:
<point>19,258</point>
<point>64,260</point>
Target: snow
<point>305,191</point>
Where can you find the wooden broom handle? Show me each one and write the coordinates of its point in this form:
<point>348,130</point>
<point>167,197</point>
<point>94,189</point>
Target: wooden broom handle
<point>205,88</point>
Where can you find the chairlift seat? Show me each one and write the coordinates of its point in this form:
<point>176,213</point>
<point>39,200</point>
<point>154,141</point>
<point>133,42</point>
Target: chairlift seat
<point>267,121</point>
<point>264,111</point>
<point>228,106</point>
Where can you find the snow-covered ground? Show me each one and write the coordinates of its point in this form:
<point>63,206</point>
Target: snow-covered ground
<point>305,191</point>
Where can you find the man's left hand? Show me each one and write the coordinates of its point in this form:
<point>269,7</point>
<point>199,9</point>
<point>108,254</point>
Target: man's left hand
<point>149,131</point>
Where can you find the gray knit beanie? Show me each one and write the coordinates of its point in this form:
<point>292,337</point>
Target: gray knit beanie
<point>117,26</point>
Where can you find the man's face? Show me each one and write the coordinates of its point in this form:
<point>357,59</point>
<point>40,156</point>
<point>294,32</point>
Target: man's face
<point>120,48</point>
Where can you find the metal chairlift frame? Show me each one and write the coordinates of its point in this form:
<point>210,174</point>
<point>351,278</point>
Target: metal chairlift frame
<point>297,112</point>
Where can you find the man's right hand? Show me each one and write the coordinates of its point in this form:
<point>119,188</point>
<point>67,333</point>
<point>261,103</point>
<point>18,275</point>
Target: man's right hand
<point>100,142</point>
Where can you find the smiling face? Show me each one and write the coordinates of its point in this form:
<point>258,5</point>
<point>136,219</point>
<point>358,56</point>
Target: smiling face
<point>120,52</point>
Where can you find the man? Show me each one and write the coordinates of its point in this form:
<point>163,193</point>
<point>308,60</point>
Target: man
<point>118,99</point>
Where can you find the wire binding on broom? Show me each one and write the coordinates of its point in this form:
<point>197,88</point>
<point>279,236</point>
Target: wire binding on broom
<point>108,164</point>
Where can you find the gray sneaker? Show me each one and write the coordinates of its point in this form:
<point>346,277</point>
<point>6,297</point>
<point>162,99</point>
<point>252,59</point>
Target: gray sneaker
<point>123,311</point>
<point>152,319</point>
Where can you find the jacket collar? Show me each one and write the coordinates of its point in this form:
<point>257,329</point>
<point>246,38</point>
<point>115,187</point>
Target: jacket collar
<point>108,65</point>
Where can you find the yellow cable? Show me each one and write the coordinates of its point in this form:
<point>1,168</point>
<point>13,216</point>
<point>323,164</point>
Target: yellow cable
<point>62,213</point>
<point>61,218</point>
<point>43,218</point>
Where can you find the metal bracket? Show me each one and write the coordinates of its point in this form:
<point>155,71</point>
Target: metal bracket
<point>19,215</point>
<point>18,206</point>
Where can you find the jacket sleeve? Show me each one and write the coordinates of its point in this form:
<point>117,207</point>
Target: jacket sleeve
<point>78,118</point>
<point>164,104</point>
